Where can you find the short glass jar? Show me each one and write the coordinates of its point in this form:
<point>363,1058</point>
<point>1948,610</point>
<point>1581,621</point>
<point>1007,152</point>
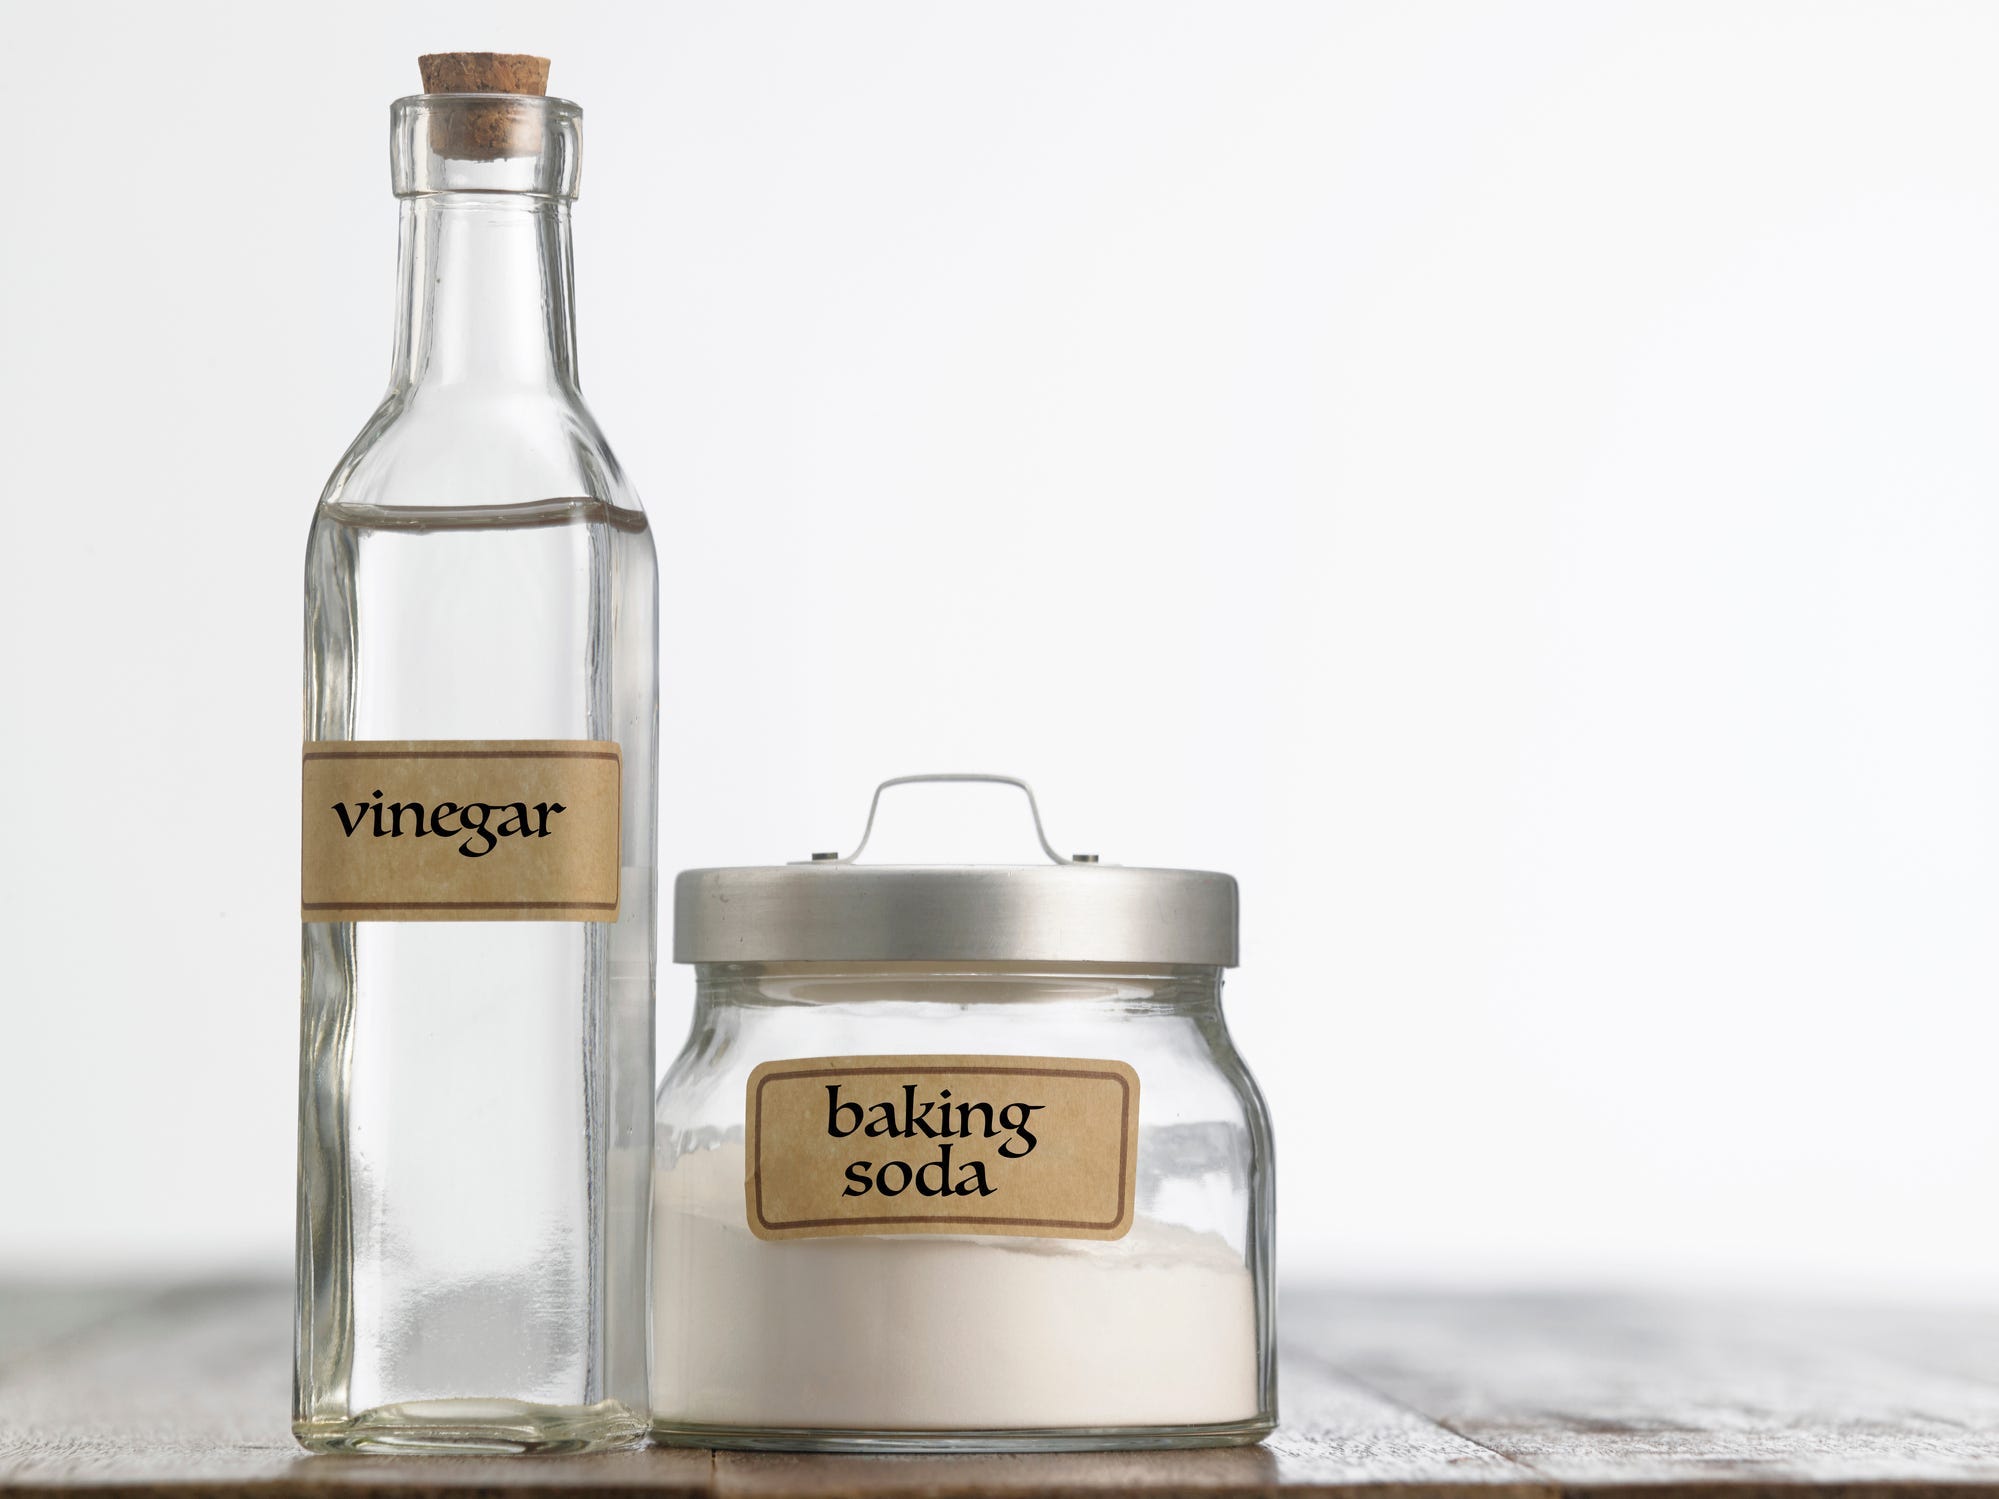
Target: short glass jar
<point>960,1158</point>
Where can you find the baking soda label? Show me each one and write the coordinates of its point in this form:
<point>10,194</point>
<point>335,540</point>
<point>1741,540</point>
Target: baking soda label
<point>1042,1147</point>
<point>460,830</point>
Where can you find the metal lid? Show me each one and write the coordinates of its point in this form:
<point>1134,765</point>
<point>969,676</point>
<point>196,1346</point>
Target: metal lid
<point>1071,910</point>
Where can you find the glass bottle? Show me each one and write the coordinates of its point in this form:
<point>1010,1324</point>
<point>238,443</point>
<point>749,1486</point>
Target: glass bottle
<point>476,1068</point>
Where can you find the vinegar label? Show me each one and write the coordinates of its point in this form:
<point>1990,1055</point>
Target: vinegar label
<point>1043,1147</point>
<point>460,830</point>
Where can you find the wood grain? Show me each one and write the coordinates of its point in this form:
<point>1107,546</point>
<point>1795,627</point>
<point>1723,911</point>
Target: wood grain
<point>189,1393</point>
<point>1346,1439</point>
<point>130,1391</point>
<point>1620,1392</point>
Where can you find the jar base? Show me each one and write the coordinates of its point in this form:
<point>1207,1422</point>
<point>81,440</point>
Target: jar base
<point>477,1427</point>
<point>1052,1439</point>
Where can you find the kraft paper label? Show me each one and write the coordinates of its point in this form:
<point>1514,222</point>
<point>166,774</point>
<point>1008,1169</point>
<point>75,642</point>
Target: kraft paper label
<point>1043,1147</point>
<point>461,830</point>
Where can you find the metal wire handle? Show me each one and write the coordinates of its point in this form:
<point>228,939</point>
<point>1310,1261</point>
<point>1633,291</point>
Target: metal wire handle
<point>1033,807</point>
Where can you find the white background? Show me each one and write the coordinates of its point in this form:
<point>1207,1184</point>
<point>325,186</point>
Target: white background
<point>1515,483</point>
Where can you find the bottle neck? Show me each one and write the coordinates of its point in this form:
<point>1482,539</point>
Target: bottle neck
<point>486,294</point>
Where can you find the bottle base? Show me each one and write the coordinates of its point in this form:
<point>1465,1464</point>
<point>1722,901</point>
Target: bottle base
<point>471,1428</point>
<point>1053,1439</point>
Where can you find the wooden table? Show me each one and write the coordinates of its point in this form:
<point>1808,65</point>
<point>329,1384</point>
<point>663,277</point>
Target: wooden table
<point>184,1392</point>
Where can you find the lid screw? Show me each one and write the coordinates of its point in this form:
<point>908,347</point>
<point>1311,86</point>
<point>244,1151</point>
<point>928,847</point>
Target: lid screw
<point>1082,858</point>
<point>827,858</point>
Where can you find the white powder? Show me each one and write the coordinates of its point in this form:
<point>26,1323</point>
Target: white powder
<point>934,1332</point>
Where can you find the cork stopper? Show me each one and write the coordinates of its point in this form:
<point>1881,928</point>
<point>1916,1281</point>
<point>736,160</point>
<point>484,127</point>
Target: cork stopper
<point>478,131</point>
<point>483,73</point>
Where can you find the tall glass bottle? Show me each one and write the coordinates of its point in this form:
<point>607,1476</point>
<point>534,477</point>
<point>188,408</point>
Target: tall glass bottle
<point>480,766</point>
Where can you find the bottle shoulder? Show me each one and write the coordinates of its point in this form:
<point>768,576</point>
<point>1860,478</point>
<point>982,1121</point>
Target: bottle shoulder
<point>457,446</point>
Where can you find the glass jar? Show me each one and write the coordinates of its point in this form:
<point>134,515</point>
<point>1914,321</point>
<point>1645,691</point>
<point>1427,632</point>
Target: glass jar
<point>960,1158</point>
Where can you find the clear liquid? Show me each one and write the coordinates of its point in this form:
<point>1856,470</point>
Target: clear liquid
<point>475,1095</point>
